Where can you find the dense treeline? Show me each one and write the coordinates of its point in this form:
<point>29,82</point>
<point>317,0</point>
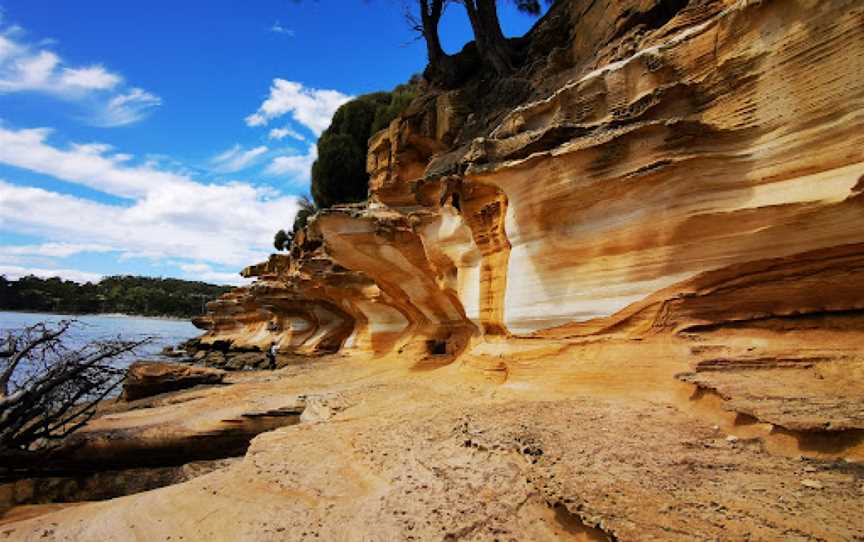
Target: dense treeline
<point>119,294</point>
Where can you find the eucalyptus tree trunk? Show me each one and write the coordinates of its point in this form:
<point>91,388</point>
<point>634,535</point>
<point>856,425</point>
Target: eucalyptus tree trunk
<point>490,40</point>
<point>430,15</point>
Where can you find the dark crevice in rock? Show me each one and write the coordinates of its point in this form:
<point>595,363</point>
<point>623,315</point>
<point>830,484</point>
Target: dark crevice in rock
<point>817,319</point>
<point>660,13</point>
<point>98,486</point>
<point>575,526</point>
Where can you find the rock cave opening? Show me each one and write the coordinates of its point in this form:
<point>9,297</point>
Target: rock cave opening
<point>436,347</point>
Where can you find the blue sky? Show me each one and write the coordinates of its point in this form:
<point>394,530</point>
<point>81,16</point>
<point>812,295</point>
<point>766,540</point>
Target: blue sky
<point>172,138</point>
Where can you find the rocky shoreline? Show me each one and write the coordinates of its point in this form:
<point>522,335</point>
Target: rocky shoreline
<point>586,438</point>
<point>630,307</point>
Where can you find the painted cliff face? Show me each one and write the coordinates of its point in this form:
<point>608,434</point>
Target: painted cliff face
<point>678,176</point>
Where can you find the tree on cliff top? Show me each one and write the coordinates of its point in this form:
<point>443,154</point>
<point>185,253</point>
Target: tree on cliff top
<point>48,390</point>
<point>493,48</point>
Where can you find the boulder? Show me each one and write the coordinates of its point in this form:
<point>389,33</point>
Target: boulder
<point>214,359</point>
<point>147,378</point>
<point>246,360</point>
<point>170,352</point>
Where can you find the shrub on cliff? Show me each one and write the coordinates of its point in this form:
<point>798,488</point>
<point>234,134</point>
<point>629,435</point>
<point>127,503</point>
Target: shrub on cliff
<point>400,98</point>
<point>339,174</point>
<point>307,210</point>
<point>283,240</point>
<point>280,239</point>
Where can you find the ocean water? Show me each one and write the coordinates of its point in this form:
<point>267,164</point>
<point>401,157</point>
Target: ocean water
<point>93,327</point>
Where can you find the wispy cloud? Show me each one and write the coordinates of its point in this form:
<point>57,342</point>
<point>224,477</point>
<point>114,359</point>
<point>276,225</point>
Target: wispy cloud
<point>277,28</point>
<point>311,107</point>
<point>285,131</point>
<point>126,108</point>
<point>32,67</point>
<point>87,164</point>
<point>296,167</point>
<point>237,158</point>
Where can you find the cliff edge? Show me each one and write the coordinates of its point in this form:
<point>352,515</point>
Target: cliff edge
<point>701,167</point>
<point>616,296</point>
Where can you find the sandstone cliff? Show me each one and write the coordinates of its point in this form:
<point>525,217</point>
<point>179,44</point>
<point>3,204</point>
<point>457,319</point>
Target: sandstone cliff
<point>697,164</point>
<point>617,296</point>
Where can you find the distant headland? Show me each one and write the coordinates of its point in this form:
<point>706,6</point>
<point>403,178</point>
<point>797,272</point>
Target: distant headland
<point>141,296</point>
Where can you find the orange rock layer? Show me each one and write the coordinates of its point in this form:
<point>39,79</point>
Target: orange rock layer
<point>701,167</point>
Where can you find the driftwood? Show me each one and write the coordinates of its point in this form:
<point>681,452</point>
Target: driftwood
<point>49,390</point>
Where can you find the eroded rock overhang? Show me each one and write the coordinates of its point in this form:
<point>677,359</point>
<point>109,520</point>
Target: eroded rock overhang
<point>678,177</point>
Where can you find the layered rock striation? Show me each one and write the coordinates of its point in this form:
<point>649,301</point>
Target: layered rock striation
<point>615,296</point>
<point>699,165</point>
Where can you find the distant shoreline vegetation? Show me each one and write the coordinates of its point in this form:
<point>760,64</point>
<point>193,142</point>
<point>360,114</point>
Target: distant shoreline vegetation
<point>129,295</point>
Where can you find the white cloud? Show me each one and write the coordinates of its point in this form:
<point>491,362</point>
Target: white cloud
<point>282,133</point>
<point>7,48</point>
<point>52,250</point>
<point>170,216</point>
<point>31,67</point>
<point>91,148</point>
<point>279,29</point>
<point>295,167</point>
<point>127,108</point>
<point>20,72</point>
<point>15,272</point>
<point>93,77</point>
<point>82,164</point>
<point>310,107</point>
<point>24,67</point>
<point>236,158</point>
<point>204,272</point>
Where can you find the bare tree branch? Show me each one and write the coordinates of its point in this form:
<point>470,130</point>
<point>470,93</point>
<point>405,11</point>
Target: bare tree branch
<point>51,390</point>
<point>33,337</point>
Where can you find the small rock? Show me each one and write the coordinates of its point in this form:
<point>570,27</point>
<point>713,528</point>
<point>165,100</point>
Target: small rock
<point>812,484</point>
<point>170,352</point>
<point>731,439</point>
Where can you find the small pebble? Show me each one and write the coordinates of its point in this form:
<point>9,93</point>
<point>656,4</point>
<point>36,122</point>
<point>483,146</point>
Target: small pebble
<point>812,484</point>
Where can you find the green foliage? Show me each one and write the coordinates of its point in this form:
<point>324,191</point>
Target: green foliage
<point>400,99</point>
<point>339,174</point>
<point>307,210</point>
<point>279,240</point>
<point>283,240</point>
<point>123,294</point>
<point>355,118</point>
